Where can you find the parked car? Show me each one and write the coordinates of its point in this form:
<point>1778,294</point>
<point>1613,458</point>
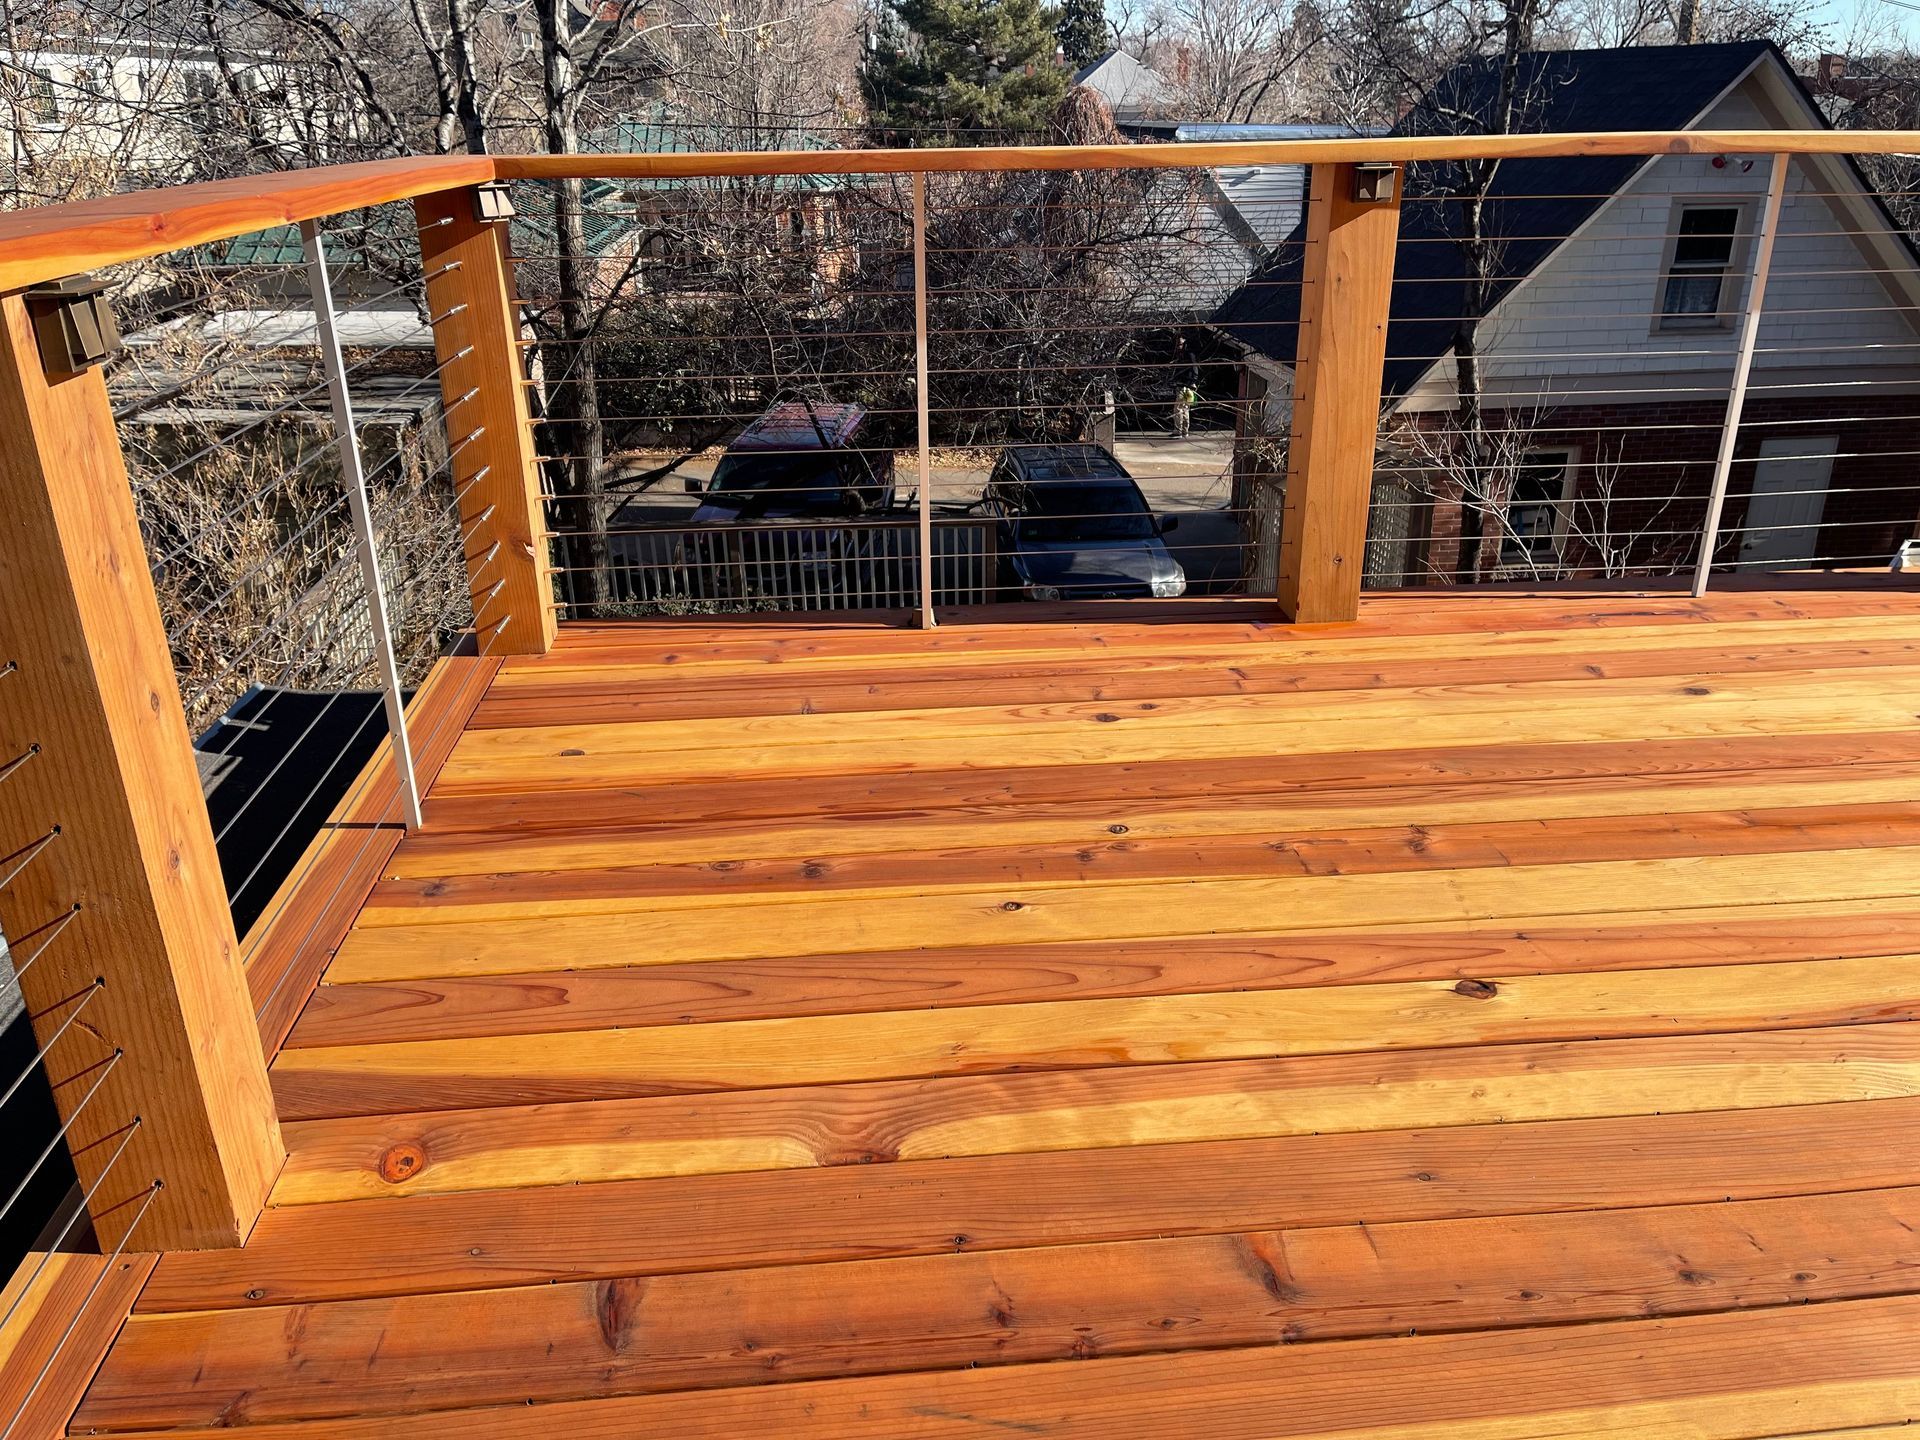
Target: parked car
<point>801,460</point>
<point>1073,525</point>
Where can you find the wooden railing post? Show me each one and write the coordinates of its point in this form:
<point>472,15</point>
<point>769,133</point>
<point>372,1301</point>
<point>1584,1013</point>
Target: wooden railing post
<point>1353,226</point>
<point>161,1077</point>
<point>471,296</point>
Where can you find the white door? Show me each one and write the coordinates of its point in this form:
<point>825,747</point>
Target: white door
<point>1790,480</point>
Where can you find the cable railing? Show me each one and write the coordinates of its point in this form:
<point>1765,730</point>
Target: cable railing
<point>1056,313</point>
<point>276,469</point>
<point>465,406</point>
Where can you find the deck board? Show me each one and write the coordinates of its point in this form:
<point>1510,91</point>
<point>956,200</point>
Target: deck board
<point>1097,1107</point>
<point>499,1235</point>
<point>1725,1376</point>
<point>711,1330</point>
<point>558,1001</point>
<point>1490,1019</point>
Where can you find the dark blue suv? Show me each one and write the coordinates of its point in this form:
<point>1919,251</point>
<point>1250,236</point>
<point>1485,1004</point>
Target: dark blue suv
<point>1073,525</point>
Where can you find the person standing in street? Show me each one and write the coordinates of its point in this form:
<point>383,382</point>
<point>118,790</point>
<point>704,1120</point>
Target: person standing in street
<point>1183,399</point>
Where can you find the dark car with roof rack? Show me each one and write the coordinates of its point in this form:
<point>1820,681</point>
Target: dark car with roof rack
<point>787,515</point>
<point>800,460</point>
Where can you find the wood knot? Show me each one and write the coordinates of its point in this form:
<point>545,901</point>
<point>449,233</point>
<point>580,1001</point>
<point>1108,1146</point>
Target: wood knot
<point>1116,829</point>
<point>402,1162</point>
<point>573,752</point>
<point>1477,989</point>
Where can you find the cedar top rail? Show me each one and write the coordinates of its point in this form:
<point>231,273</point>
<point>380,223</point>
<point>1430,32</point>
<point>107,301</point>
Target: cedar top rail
<point>53,241</point>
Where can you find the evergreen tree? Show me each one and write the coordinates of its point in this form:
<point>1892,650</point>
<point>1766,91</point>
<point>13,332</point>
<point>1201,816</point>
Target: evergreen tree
<point>1083,31</point>
<point>963,65</point>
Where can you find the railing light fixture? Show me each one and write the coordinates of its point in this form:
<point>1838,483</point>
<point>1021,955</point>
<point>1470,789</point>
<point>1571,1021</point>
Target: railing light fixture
<point>492,202</point>
<point>74,323</point>
<point>1373,182</point>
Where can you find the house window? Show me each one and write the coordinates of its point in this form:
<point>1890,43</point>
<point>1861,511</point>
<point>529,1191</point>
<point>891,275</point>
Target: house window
<point>1695,289</point>
<point>1536,511</point>
<point>39,97</point>
<point>203,97</point>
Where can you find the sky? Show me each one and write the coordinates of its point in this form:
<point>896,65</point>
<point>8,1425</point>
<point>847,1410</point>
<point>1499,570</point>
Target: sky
<point>1844,18</point>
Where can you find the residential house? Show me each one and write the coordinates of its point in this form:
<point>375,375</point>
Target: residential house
<point>1220,224</point>
<point>143,107</point>
<point>1137,95</point>
<point>1605,336</point>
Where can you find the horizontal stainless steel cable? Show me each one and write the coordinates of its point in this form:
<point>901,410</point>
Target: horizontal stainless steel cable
<point>19,760</point>
<point>87,998</point>
<point>80,1311</point>
<point>53,928</point>
<point>280,479</point>
<point>61,1134</point>
<point>28,853</point>
<point>59,1239</point>
<point>293,812</point>
<point>297,402</point>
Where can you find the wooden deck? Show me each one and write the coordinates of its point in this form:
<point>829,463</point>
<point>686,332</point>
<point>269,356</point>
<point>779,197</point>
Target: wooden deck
<point>1487,1020</point>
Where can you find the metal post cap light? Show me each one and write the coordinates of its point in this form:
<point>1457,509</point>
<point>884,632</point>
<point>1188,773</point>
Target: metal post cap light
<point>493,201</point>
<point>1373,182</point>
<point>73,323</point>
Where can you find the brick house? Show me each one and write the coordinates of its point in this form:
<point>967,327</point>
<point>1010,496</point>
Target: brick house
<point>1606,336</point>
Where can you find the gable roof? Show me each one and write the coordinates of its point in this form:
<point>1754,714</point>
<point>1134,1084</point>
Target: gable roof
<point>1129,88</point>
<point>1541,202</point>
<point>1269,200</point>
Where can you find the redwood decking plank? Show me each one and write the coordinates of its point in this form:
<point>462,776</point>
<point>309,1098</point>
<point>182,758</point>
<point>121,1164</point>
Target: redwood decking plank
<point>289,947</point>
<point>1113,788</point>
<point>63,1310</point>
<point>685,641</point>
<point>1727,1376</point>
<point>513,1140</point>
<point>702,1331</point>
<point>1278,851</point>
<point>481,938</point>
<point>625,696</point>
<point>558,1001</point>
<point>431,1074</point>
<point>722,845</point>
<point>498,1237</point>
<point>1676,706</point>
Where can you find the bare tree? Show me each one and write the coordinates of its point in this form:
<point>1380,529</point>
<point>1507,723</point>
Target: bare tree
<point>1239,57</point>
<point>1608,526</point>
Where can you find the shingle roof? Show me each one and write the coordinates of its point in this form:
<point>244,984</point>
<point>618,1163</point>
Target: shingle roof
<point>1658,87</point>
<point>1128,87</point>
